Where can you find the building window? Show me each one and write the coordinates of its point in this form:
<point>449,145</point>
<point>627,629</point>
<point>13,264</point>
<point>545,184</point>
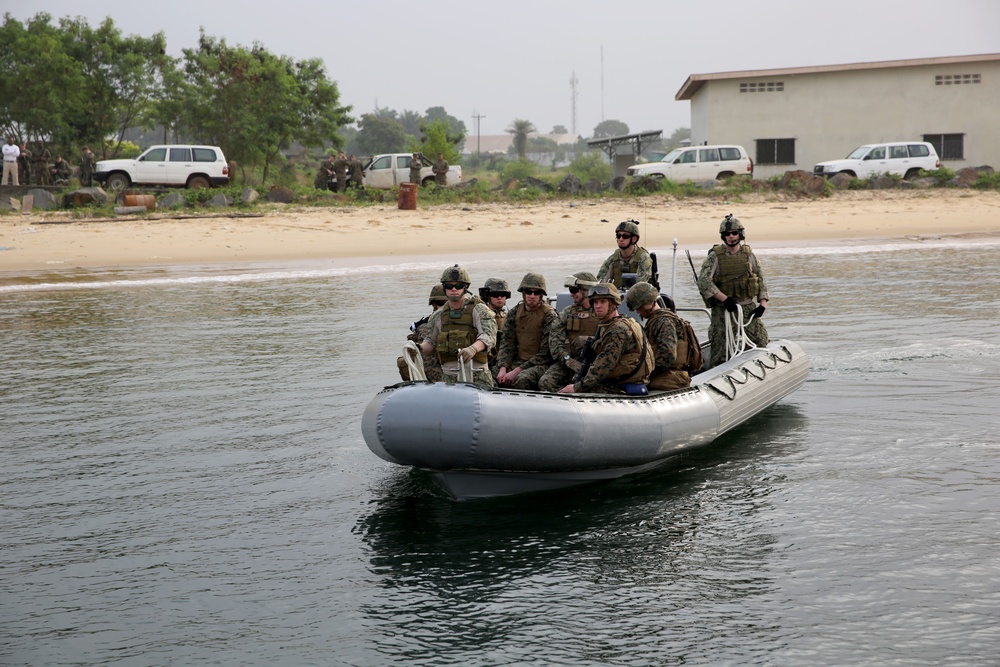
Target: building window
<point>762,87</point>
<point>955,79</point>
<point>775,151</point>
<point>948,146</point>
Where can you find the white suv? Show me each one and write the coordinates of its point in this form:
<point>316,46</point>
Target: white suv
<point>901,158</point>
<point>180,164</point>
<point>698,163</point>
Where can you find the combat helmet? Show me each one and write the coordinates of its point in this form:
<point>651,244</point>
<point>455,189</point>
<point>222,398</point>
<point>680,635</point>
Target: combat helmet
<point>605,291</point>
<point>629,226</point>
<point>640,294</point>
<point>584,279</point>
<point>533,281</point>
<point>497,286</point>
<point>437,294</point>
<point>731,224</point>
<point>456,274</point>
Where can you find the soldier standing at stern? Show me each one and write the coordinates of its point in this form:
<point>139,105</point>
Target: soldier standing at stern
<point>464,329</point>
<point>731,275</point>
<point>629,258</point>
<point>621,356</point>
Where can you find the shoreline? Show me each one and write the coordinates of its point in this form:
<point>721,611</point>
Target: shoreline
<point>53,242</point>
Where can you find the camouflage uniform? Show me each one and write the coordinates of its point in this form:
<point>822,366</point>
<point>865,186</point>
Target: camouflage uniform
<point>486,328</point>
<point>24,165</point>
<point>640,263</point>
<point>615,338</point>
<point>41,168</point>
<point>562,371</point>
<point>340,166</point>
<point>357,172</point>
<point>432,367</point>
<point>509,357</point>
<point>60,173</point>
<point>440,169</point>
<point>663,329</point>
<point>746,288</point>
<point>415,166</point>
<point>87,163</point>
<point>501,317</point>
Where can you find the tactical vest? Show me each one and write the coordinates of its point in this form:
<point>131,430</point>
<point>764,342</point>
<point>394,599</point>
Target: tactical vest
<point>634,366</point>
<point>457,332</point>
<point>618,264</point>
<point>580,324</point>
<point>735,278</point>
<point>688,352</point>
<point>529,328</point>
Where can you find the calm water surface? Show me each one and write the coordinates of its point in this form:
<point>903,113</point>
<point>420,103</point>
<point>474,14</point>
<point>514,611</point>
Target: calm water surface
<point>185,482</point>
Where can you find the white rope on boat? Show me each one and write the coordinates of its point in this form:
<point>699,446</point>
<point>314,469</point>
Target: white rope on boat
<point>414,359</point>
<point>737,340</point>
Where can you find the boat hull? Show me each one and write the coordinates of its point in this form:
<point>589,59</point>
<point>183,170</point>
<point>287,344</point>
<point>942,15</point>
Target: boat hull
<point>479,442</point>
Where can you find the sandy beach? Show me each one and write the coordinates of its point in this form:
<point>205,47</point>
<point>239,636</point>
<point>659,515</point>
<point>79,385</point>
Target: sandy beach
<point>54,241</point>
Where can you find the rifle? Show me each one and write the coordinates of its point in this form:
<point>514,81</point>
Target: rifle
<point>708,304</point>
<point>586,358</point>
<point>655,280</point>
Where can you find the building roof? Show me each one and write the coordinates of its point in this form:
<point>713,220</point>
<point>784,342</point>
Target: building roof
<point>696,81</point>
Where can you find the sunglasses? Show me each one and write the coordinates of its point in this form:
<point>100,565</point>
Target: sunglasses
<point>534,292</point>
<point>730,233</point>
<point>454,285</point>
<point>623,236</point>
<point>498,295</point>
<point>574,290</point>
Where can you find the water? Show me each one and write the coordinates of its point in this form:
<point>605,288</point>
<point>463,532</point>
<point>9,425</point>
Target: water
<point>184,482</point>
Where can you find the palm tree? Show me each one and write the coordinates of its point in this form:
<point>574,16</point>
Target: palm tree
<point>521,129</point>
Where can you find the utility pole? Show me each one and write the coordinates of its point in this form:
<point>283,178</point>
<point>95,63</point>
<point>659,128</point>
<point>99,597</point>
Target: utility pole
<point>573,81</point>
<point>477,117</point>
<point>602,83</point>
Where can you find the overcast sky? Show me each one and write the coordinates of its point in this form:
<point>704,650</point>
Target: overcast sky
<point>515,59</point>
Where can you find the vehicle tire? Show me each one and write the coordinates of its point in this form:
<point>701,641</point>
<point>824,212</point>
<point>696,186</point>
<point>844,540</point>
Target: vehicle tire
<point>117,182</point>
<point>724,176</point>
<point>198,183</point>
<point>849,173</point>
<point>658,177</point>
<point>911,174</point>
<point>427,182</point>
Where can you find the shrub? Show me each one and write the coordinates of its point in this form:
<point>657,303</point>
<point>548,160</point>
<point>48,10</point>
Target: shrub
<point>519,169</point>
<point>591,165</point>
<point>988,181</point>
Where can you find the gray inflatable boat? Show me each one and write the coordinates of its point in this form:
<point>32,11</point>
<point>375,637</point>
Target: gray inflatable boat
<point>479,442</point>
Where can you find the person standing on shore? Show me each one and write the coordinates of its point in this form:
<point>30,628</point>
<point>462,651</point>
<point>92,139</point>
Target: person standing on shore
<point>440,170</point>
<point>41,169</point>
<point>731,276</point>
<point>87,163</point>
<point>463,331</point>
<point>24,165</point>
<point>357,172</point>
<point>628,258</point>
<point>340,166</point>
<point>10,154</point>
<point>415,166</point>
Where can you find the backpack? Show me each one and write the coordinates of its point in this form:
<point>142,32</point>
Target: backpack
<point>689,349</point>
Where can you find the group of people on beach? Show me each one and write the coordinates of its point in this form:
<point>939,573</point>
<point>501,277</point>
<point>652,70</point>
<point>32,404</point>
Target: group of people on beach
<point>589,347</point>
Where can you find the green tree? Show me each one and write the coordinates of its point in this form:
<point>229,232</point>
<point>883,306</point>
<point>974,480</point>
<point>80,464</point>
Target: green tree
<point>380,134</point>
<point>253,103</point>
<point>675,139</point>
<point>610,128</point>
<point>591,164</point>
<point>40,83</point>
<point>559,129</point>
<point>437,140</point>
<point>520,129</point>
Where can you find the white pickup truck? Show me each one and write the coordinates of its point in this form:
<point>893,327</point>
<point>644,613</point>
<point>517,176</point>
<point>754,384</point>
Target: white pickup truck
<point>389,170</point>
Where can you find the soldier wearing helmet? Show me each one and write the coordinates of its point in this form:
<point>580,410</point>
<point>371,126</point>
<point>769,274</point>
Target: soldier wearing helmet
<point>577,322</point>
<point>628,258</point>
<point>463,330</point>
<point>525,355</point>
<point>667,334</point>
<point>621,358</point>
<point>432,367</point>
<point>494,293</point>
<point>731,275</point>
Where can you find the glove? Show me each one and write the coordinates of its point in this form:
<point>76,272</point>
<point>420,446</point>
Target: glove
<point>467,353</point>
<point>758,312</point>
<point>730,304</point>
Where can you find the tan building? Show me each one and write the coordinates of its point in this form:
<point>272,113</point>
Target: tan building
<point>795,117</point>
